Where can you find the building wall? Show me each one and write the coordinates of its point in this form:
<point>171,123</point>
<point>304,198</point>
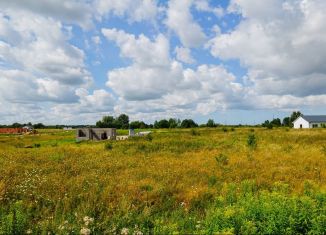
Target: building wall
<point>13,130</point>
<point>316,124</point>
<point>300,121</point>
<point>96,133</point>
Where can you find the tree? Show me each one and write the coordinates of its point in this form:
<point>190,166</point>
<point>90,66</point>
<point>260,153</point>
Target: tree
<point>286,121</point>
<point>106,122</point>
<point>123,121</point>
<point>188,123</point>
<point>38,126</point>
<point>173,123</point>
<point>276,122</point>
<point>137,125</point>
<point>162,124</point>
<point>210,123</point>
<point>295,115</point>
<point>16,125</point>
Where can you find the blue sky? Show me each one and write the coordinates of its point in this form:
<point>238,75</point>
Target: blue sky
<point>237,61</point>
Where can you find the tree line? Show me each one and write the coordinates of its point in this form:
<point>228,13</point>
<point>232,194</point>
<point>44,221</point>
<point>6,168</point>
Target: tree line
<point>122,122</point>
<point>287,121</point>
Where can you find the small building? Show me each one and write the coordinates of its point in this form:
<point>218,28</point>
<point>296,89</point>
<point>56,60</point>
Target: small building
<point>96,134</point>
<point>14,130</point>
<point>311,121</point>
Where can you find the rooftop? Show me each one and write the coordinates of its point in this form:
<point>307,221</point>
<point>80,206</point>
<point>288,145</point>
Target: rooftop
<point>314,118</point>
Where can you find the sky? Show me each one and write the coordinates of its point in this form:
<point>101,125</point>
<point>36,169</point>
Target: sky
<point>235,61</point>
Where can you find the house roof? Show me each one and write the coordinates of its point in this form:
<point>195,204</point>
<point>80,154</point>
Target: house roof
<point>314,118</point>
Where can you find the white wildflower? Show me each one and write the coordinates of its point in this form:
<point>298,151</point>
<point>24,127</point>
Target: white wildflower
<point>124,231</point>
<point>29,231</point>
<point>88,220</point>
<point>138,232</point>
<point>85,231</point>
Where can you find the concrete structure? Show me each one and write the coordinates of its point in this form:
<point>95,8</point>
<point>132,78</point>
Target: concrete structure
<point>310,121</point>
<point>131,132</point>
<point>96,134</point>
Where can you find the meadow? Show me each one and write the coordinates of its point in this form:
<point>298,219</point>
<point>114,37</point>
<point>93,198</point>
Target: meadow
<point>177,181</point>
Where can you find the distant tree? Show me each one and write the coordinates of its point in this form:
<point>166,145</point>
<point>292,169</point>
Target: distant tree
<point>276,122</point>
<point>267,124</point>
<point>137,125</point>
<point>162,124</point>
<point>210,123</point>
<point>106,122</point>
<point>16,125</point>
<point>122,121</point>
<point>173,123</point>
<point>188,123</point>
<point>39,126</point>
<point>286,121</point>
<point>295,115</point>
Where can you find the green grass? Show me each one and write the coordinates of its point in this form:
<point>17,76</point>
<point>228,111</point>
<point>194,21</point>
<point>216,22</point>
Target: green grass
<point>208,182</point>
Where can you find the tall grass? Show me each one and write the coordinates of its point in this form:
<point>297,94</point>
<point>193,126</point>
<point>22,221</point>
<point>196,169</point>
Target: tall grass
<point>207,183</point>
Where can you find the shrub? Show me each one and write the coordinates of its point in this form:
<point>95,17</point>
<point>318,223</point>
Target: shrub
<point>222,160</point>
<point>37,145</point>
<point>194,132</point>
<point>108,146</point>
<point>224,129</point>
<point>149,137</point>
<point>251,141</point>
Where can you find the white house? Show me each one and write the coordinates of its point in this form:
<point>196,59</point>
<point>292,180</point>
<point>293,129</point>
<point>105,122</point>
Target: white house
<point>309,121</point>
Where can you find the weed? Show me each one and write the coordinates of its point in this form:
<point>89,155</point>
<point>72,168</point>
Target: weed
<point>252,141</point>
<point>149,137</point>
<point>194,132</point>
<point>108,146</point>
<point>37,145</point>
<point>222,159</point>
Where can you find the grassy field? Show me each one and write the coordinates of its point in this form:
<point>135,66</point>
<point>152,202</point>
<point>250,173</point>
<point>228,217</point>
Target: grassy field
<point>202,181</point>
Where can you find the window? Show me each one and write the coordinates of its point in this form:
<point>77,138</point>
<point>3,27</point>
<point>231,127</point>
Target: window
<point>81,133</point>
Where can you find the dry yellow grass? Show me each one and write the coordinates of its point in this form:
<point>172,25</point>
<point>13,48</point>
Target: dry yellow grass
<point>64,180</point>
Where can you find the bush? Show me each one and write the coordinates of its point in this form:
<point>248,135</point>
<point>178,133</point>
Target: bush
<point>37,145</point>
<point>251,141</point>
<point>222,160</point>
<point>224,129</point>
<point>108,146</point>
<point>194,132</point>
<point>149,137</point>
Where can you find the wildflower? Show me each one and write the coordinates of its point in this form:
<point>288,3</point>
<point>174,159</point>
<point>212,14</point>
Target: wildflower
<point>88,220</point>
<point>138,232</point>
<point>29,231</point>
<point>85,231</point>
<point>124,231</point>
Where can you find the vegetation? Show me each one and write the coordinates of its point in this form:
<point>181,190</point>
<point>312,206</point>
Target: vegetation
<point>202,181</point>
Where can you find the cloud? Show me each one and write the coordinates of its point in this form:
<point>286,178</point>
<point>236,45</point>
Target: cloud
<point>41,65</point>
<point>184,55</point>
<point>180,20</point>
<point>69,11</point>
<point>282,45</point>
<point>162,84</point>
<point>203,5</point>
<point>151,73</point>
<point>133,10</point>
